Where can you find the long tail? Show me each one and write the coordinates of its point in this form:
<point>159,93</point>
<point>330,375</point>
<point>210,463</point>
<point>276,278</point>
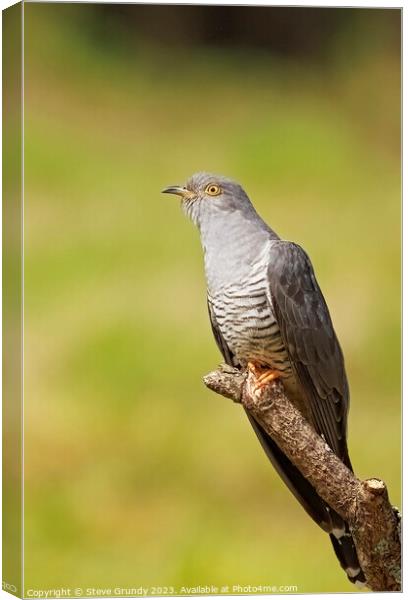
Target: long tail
<point>320,512</point>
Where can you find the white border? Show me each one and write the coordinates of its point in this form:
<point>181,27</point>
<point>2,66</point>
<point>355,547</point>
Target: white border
<point>349,4</point>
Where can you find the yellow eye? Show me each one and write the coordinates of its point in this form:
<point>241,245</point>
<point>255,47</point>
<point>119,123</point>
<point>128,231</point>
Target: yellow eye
<point>212,189</point>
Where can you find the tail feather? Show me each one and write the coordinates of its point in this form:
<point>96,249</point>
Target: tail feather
<point>346,553</point>
<point>320,512</point>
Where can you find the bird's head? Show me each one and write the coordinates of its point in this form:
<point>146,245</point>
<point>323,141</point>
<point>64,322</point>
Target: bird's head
<point>205,195</point>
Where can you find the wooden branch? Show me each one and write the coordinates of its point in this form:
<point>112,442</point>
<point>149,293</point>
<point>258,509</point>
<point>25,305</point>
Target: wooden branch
<point>374,523</point>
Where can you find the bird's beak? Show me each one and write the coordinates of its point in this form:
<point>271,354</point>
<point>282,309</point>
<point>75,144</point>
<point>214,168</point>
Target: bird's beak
<point>178,190</point>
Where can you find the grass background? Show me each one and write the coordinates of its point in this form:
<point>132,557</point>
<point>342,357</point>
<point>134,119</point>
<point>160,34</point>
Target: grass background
<point>135,474</point>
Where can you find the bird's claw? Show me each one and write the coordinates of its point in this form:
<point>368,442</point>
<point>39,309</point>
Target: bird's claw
<point>263,376</point>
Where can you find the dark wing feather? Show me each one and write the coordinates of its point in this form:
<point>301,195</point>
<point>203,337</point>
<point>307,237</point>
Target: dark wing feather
<point>310,341</point>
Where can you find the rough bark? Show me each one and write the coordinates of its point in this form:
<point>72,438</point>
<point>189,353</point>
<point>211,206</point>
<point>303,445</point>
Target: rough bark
<point>374,523</point>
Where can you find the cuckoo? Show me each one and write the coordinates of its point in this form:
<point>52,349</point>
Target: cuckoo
<point>268,314</point>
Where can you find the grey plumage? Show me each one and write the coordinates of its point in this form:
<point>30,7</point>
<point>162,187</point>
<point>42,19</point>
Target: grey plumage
<point>266,306</point>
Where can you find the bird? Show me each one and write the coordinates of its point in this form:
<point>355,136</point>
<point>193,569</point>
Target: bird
<point>268,314</point>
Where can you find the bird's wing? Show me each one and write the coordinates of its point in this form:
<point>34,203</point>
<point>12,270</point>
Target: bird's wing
<point>310,341</point>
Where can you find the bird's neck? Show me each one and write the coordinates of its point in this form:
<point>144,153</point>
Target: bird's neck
<point>233,243</point>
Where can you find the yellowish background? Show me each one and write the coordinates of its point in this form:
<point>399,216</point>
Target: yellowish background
<point>135,474</point>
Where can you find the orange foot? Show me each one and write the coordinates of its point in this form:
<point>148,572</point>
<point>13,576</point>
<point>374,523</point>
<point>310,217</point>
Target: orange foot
<point>262,374</point>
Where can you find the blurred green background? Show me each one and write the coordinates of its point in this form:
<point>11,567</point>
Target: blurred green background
<point>135,474</point>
